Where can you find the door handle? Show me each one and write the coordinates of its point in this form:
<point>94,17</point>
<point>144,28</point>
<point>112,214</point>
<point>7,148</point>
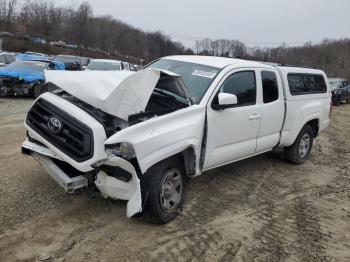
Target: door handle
<point>255,116</point>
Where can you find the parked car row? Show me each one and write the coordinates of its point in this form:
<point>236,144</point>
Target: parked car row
<point>340,90</point>
<point>40,40</point>
<point>23,74</point>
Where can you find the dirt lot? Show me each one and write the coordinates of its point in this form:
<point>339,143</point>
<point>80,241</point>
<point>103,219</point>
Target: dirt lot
<point>261,209</point>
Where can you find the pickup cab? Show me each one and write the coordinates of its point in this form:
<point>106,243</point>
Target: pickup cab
<point>138,136</point>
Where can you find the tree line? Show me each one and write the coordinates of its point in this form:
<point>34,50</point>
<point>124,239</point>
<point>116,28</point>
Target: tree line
<point>81,27</point>
<point>332,56</point>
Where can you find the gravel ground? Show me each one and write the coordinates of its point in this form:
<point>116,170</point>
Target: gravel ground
<point>260,209</point>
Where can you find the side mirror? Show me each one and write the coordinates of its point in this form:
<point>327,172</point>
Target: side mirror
<point>225,100</point>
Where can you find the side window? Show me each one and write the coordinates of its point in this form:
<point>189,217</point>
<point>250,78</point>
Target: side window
<point>8,59</point>
<point>301,84</point>
<point>270,86</point>
<point>243,85</point>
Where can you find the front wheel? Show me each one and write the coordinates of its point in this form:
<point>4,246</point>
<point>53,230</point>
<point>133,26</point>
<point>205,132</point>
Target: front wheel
<point>300,150</point>
<point>163,191</point>
<point>336,101</point>
<point>37,90</point>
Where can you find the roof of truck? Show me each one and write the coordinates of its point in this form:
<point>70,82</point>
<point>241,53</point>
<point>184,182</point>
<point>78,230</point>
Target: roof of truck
<point>219,62</point>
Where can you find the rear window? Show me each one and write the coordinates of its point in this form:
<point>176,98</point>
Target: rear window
<point>303,84</point>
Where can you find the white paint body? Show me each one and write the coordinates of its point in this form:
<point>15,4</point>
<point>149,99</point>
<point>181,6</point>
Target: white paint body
<point>232,134</point>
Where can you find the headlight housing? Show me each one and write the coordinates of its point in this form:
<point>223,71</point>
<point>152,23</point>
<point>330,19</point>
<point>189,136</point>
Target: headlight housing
<point>123,150</point>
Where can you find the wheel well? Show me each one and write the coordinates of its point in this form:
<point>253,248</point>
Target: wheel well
<point>315,126</point>
<point>188,158</point>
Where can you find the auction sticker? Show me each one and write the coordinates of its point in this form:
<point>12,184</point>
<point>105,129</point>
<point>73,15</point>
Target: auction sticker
<point>204,73</point>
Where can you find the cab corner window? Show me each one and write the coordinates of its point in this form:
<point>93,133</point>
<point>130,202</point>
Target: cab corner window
<point>243,85</point>
<point>270,86</point>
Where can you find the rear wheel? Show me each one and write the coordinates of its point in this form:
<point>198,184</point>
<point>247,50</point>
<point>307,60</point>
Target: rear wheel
<point>300,150</point>
<point>163,191</point>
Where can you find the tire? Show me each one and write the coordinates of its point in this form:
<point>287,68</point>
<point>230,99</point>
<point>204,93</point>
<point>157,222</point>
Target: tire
<point>37,90</point>
<point>157,186</point>
<point>300,150</point>
<point>336,101</point>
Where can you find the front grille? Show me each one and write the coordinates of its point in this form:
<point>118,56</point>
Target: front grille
<point>74,138</point>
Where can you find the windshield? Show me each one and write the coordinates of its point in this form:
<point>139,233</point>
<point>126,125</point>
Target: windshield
<point>334,83</point>
<point>197,77</point>
<point>67,59</point>
<point>105,66</point>
<point>26,67</point>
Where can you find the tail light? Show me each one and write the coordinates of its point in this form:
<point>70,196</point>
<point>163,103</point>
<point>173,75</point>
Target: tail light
<point>330,108</point>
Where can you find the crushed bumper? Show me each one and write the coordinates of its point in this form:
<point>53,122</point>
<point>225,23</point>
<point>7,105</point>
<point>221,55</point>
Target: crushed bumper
<point>110,187</point>
<point>69,184</point>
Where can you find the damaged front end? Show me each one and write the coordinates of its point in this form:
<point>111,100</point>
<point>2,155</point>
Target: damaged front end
<point>68,128</point>
<point>10,86</point>
<point>114,177</point>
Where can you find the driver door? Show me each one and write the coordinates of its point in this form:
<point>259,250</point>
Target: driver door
<point>232,132</point>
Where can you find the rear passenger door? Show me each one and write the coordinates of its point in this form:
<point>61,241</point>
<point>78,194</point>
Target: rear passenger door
<point>272,109</point>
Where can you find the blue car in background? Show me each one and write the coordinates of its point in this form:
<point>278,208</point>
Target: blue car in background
<point>25,77</point>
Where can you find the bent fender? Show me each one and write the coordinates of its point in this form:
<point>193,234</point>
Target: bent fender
<point>117,189</point>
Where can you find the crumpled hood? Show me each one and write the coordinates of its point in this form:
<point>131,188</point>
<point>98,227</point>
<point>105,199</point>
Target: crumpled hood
<point>119,93</point>
<point>27,77</point>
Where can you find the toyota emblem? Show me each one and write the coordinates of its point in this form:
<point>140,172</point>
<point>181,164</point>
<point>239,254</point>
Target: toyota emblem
<point>54,125</point>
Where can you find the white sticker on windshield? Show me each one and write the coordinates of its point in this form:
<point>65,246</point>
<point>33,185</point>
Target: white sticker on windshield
<point>203,73</point>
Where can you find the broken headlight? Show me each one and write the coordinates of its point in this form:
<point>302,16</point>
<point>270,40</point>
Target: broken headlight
<point>123,150</point>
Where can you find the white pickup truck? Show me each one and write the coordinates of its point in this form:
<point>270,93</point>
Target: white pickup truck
<point>138,136</point>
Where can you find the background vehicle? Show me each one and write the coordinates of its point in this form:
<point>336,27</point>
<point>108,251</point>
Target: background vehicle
<point>340,90</point>
<point>6,34</point>
<point>58,43</point>
<point>134,68</point>
<point>24,78</point>
<point>72,63</point>
<point>126,66</point>
<point>22,35</point>
<point>6,59</point>
<point>35,53</point>
<point>105,65</point>
<point>143,133</point>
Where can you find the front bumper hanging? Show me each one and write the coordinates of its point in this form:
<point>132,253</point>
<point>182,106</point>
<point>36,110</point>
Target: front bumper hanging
<point>110,187</point>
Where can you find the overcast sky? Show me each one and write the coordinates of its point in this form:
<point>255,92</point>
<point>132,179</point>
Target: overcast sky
<point>255,22</point>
